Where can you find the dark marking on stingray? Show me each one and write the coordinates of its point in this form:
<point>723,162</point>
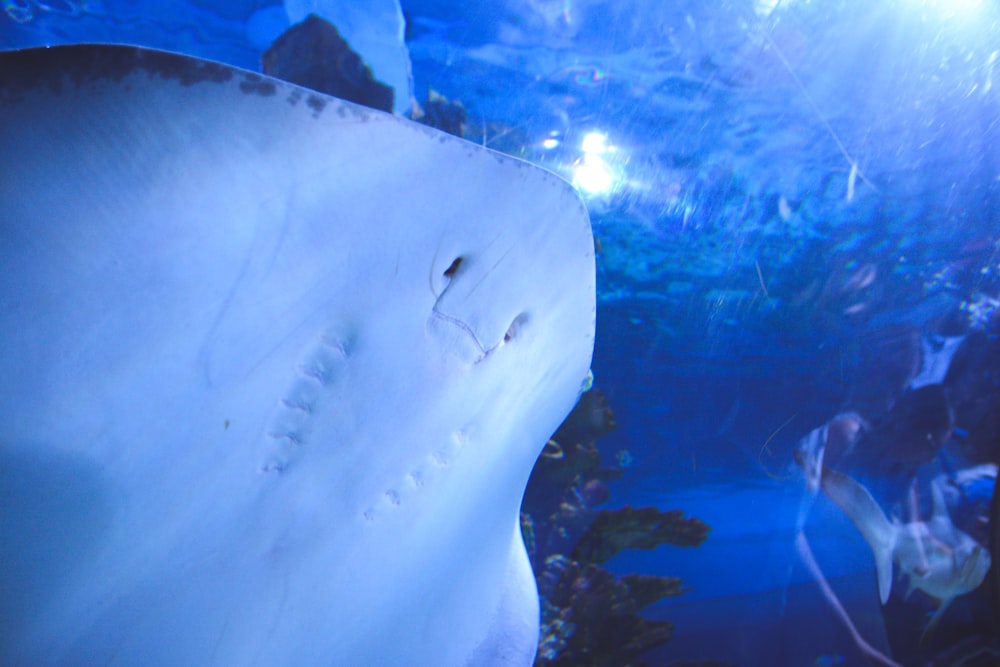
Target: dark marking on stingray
<point>257,84</point>
<point>294,96</point>
<point>84,64</point>
<point>273,466</point>
<point>317,103</point>
<point>187,71</point>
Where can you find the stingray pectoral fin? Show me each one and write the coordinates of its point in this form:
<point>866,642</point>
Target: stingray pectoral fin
<point>859,506</point>
<point>513,635</point>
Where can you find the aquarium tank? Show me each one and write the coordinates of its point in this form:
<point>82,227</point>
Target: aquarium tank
<point>782,451</point>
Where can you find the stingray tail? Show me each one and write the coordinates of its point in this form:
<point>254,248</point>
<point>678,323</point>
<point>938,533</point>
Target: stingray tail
<point>859,506</point>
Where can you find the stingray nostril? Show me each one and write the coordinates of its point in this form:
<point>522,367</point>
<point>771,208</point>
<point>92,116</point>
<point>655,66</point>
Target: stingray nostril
<point>515,327</point>
<point>453,267</point>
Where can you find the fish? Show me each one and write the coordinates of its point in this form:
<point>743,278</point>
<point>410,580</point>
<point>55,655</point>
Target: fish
<point>274,371</point>
<point>936,556</point>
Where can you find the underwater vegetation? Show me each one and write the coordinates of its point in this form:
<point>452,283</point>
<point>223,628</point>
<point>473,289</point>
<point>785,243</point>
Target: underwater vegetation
<point>589,615</point>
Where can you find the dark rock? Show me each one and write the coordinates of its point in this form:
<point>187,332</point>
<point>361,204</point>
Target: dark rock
<point>314,55</point>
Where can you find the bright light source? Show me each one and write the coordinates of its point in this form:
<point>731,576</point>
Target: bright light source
<point>968,5</point>
<point>595,143</point>
<point>765,7</point>
<point>550,143</point>
<point>593,175</point>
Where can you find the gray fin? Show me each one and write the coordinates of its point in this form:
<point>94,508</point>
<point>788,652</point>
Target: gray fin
<point>859,506</point>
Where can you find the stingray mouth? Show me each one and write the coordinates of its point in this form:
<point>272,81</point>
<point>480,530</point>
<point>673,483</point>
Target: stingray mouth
<point>460,338</point>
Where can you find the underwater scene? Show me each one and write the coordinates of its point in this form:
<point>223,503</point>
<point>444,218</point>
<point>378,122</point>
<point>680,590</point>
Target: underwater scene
<point>781,451</point>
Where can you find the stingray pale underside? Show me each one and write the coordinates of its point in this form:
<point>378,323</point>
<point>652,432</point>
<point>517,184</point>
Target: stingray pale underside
<point>274,370</point>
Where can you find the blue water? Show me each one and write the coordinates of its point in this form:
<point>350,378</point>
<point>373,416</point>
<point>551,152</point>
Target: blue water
<point>782,192</point>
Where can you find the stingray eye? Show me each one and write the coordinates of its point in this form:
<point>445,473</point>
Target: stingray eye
<point>453,267</point>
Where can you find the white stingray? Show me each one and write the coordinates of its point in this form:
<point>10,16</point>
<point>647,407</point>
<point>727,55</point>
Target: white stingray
<point>274,370</point>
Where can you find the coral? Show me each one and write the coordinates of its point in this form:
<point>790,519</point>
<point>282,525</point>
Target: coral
<point>445,115</point>
<point>590,419</point>
<point>571,459</point>
<point>590,616</point>
<point>642,528</point>
<point>646,589</point>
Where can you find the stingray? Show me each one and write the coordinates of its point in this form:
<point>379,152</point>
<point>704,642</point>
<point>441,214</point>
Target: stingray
<point>274,370</point>
<point>938,557</point>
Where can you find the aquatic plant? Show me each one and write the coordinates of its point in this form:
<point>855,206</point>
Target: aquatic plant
<point>589,615</point>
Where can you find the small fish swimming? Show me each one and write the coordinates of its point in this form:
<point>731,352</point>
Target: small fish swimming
<point>624,458</point>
